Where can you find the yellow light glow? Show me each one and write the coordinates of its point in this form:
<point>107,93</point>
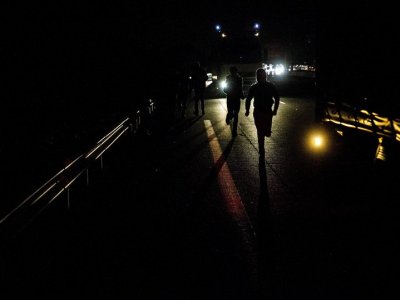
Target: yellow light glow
<point>317,141</point>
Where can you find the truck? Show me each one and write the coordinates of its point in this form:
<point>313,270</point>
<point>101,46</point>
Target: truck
<point>236,46</point>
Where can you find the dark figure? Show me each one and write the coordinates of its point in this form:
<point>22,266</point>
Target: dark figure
<point>234,92</point>
<point>182,90</point>
<point>199,78</point>
<point>265,96</point>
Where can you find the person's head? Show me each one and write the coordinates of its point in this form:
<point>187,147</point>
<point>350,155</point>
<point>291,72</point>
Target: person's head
<point>261,75</point>
<point>233,70</point>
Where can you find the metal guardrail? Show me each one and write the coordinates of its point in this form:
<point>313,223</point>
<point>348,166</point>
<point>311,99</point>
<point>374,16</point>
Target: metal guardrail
<point>344,116</point>
<point>61,182</point>
<point>347,116</point>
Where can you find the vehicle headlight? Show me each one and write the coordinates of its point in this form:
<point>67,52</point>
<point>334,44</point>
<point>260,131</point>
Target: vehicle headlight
<point>223,84</point>
<point>279,69</point>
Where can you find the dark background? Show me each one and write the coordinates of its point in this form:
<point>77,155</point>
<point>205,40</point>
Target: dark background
<point>63,53</point>
<point>76,68</point>
<point>76,55</point>
<point>73,63</point>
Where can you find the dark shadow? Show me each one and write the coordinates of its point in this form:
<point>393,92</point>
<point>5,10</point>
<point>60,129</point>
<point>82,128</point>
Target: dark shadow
<point>267,278</point>
<point>183,125</point>
<point>263,221</point>
<point>201,145</point>
<point>217,131</point>
<point>215,169</point>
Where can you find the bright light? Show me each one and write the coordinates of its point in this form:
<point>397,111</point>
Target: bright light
<point>256,26</point>
<point>269,68</point>
<point>218,27</point>
<point>223,84</point>
<point>273,70</point>
<point>317,141</point>
<point>279,69</point>
<point>223,35</point>
<point>256,34</point>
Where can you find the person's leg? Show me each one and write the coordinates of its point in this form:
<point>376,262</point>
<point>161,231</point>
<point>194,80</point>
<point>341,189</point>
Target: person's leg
<point>235,123</point>
<point>196,103</point>
<point>229,107</point>
<point>202,102</point>
<point>260,121</point>
<point>235,114</point>
<point>268,123</point>
<point>184,104</point>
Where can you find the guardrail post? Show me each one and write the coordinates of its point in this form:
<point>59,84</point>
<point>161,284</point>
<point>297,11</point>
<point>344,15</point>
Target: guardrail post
<point>380,153</point>
<point>68,203</point>
<point>151,106</point>
<point>137,121</point>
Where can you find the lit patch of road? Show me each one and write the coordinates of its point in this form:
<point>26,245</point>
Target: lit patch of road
<point>230,195</point>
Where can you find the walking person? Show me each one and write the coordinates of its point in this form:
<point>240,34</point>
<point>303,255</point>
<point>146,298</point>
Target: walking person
<point>234,92</point>
<point>182,90</point>
<point>265,97</point>
<point>198,80</point>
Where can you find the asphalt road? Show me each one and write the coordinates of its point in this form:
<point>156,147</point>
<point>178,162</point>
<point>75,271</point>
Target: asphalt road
<point>191,213</point>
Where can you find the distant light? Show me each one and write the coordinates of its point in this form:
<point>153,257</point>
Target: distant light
<point>223,84</point>
<point>223,35</point>
<point>256,34</point>
<point>256,26</point>
<point>279,69</point>
<point>218,27</point>
<point>269,68</point>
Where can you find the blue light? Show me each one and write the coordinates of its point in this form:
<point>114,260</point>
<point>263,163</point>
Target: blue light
<point>256,26</point>
<point>218,27</point>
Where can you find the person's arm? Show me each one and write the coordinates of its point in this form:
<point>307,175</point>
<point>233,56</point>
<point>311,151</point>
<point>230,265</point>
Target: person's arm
<point>225,89</point>
<point>276,104</point>
<point>205,76</point>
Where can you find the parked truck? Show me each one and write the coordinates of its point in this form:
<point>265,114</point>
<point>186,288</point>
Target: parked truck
<point>238,46</point>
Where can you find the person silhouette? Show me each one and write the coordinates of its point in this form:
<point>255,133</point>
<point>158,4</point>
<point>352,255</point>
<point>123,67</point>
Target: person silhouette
<point>198,84</point>
<point>182,89</point>
<point>265,96</point>
<point>234,92</point>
